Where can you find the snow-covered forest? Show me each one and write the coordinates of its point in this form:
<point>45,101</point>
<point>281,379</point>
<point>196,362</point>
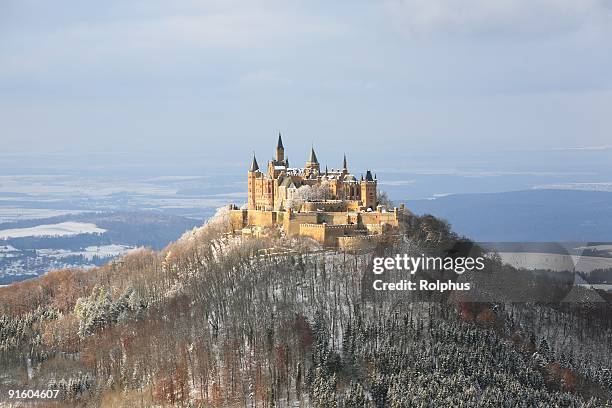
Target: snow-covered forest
<point>220,321</point>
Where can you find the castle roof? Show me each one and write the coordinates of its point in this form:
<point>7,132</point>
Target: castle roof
<point>254,165</point>
<point>313,156</point>
<point>369,176</point>
<point>279,145</point>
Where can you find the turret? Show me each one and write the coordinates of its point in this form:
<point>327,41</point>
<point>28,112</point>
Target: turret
<point>254,166</point>
<point>280,150</point>
<point>312,165</point>
<point>368,191</point>
<point>252,176</point>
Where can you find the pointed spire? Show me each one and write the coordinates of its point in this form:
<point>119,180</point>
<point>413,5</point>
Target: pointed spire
<point>326,170</point>
<point>344,166</point>
<point>280,150</point>
<point>313,156</point>
<point>254,165</point>
<point>369,176</point>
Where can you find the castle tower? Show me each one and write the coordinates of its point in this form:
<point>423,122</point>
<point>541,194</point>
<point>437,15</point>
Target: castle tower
<point>312,165</point>
<point>368,191</point>
<point>252,176</point>
<point>276,165</point>
<point>280,150</point>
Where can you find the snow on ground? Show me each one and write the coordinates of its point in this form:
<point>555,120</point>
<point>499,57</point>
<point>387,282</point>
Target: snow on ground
<point>605,247</point>
<point>38,186</point>
<point>555,262</point>
<point>53,230</point>
<point>104,251</point>
<point>9,214</point>
<point>599,286</point>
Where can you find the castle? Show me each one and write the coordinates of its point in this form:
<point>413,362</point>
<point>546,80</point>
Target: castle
<point>331,206</point>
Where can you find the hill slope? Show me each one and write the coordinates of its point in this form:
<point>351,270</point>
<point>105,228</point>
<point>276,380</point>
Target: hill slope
<point>216,321</point>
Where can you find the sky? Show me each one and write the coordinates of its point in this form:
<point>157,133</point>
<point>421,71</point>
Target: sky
<point>402,80</point>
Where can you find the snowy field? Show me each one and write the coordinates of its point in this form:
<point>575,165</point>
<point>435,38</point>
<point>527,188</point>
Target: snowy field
<point>604,247</point>
<point>555,262</point>
<point>88,253</point>
<point>52,230</point>
<point>598,286</point>
<point>27,197</point>
<point>11,214</point>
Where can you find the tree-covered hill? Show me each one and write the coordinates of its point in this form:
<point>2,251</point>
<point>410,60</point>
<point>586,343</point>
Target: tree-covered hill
<point>219,321</point>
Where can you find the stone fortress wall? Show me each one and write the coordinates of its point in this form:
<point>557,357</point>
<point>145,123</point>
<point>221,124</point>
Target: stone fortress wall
<point>331,229</point>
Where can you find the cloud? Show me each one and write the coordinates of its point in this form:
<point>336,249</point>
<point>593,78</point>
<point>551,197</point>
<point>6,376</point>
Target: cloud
<point>155,34</point>
<point>423,18</point>
<point>599,186</point>
<point>585,148</point>
<point>397,182</point>
<point>264,76</point>
<point>496,173</point>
